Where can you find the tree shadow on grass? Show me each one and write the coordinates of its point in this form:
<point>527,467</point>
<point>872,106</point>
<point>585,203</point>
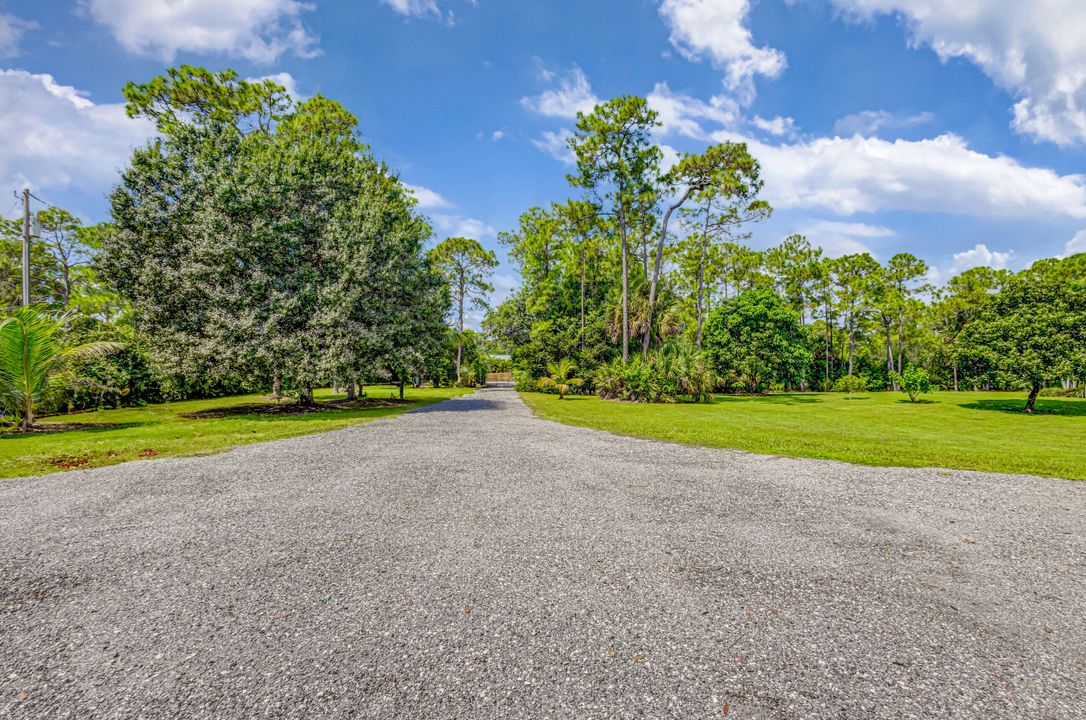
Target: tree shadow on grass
<point>57,428</point>
<point>1045,406</point>
<point>916,402</point>
<point>774,399</point>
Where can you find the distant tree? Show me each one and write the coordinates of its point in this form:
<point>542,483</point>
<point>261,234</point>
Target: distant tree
<point>618,165</point>
<point>758,338</point>
<point>1033,330</point>
<point>915,382</point>
<point>467,266</point>
<point>853,277</point>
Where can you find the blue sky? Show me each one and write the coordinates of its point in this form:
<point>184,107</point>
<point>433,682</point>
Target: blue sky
<point>956,131</point>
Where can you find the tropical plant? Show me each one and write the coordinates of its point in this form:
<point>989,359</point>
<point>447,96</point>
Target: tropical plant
<point>559,377</point>
<point>34,360</point>
<point>914,382</point>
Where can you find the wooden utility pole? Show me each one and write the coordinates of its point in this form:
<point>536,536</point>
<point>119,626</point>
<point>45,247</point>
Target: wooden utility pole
<point>26,246</point>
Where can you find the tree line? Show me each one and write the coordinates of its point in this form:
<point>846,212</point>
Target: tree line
<point>645,261</point>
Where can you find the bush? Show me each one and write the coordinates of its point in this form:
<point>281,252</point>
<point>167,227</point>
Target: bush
<point>914,382</point>
<point>850,384</point>
<point>674,374</point>
<point>524,382</point>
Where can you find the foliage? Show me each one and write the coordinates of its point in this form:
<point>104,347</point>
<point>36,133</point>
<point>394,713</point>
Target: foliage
<point>850,384</point>
<point>467,267</point>
<point>914,382</point>
<point>1033,331</point>
<point>34,361</point>
<point>758,339</point>
<point>257,238</point>
<point>675,373</point>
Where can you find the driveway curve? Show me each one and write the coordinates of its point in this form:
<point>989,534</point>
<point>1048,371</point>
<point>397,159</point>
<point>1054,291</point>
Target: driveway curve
<point>468,560</point>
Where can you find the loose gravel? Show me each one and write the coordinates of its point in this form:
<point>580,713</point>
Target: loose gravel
<point>468,560</point>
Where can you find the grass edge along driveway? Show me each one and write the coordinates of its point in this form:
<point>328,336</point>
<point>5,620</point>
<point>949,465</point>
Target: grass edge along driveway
<point>107,437</point>
<point>963,431</point>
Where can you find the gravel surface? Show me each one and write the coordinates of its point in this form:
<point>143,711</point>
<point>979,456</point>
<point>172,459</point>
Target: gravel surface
<point>470,561</point>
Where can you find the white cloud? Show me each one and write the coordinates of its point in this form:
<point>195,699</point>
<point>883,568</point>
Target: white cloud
<point>428,199</point>
<point>1075,245</point>
<point>11,32</point>
<point>64,139</point>
<point>1035,49</point>
<point>685,115</point>
<point>286,80</point>
<point>870,122</point>
<point>942,174</point>
<point>460,226</point>
<point>497,135</point>
<point>779,126</point>
<point>419,9</point>
<point>573,95</point>
<point>556,144</point>
<point>980,255</point>
<point>717,29</point>
<point>256,30</point>
<point>842,238</point>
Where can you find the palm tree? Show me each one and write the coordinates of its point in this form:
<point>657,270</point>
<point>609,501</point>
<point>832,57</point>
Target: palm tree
<point>34,359</point>
<point>560,377</point>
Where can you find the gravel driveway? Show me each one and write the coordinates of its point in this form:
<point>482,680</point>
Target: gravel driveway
<point>470,561</point>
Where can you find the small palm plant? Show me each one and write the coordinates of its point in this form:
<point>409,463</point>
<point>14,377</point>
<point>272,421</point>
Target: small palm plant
<point>34,359</point>
<point>560,378</point>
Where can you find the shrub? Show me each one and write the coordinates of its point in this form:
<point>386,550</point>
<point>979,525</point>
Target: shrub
<point>914,382</point>
<point>524,382</point>
<point>559,377</point>
<point>850,384</point>
<point>673,374</point>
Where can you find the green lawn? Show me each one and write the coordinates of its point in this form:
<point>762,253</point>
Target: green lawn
<point>969,430</point>
<point>112,436</point>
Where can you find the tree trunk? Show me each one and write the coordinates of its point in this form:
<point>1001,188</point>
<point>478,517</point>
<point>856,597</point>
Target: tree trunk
<point>658,266</point>
<point>826,305</point>
<point>306,396</point>
<point>900,341</point>
<point>625,288</point>
<point>350,390</point>
<point>459,350</point>
<point>701,290</point>
<point>460,325</point>
<point>277,387</point>
<point>887,324</point>
<point>851,340</point>
<point>401,389</point>
<point>582,298</point>
<point>1031,401</point>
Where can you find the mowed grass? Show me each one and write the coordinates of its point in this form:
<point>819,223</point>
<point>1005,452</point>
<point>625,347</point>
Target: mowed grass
<point>106,437</point>
<point>968,430</point>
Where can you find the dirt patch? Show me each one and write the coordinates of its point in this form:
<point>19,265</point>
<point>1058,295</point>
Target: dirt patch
<point>293,408</point>
<point>148,453</point>
<point>70,462</point>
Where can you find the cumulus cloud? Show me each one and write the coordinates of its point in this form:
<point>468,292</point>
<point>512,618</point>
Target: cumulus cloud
<point>556,144</point>
<point>1036,50</point>
<point>451,225</point>
<point>428,199</point>
<point>286,80</point>
<point>64,138</point>
<point>979,255</point>
<point>256,30</point>
<point>716,30</point>
<point>941,174</point>
<point>842,238</point>
<point>871,122</point>
<point>686,115</point>
<point>573,95</point>
<point>779,126</point>
<point>11,32</point>
<point>1075,245</point>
